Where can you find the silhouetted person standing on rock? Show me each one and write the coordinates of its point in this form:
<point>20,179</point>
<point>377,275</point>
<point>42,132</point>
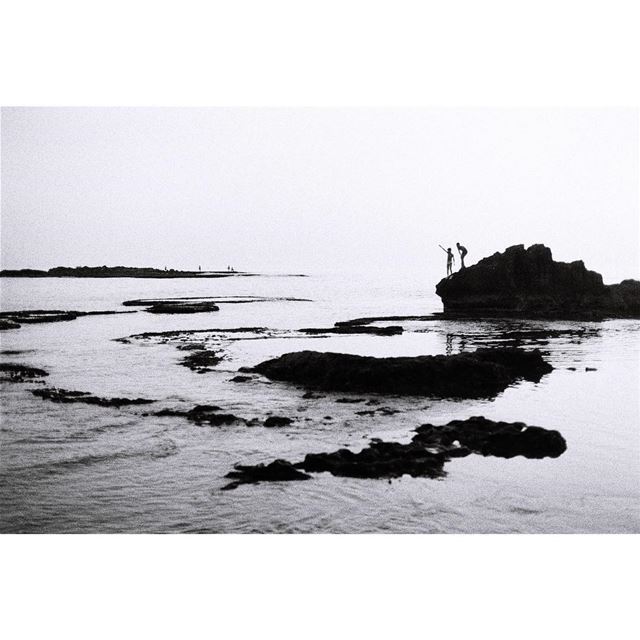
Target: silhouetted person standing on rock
<point>463,252</point>
<point>450,260</point>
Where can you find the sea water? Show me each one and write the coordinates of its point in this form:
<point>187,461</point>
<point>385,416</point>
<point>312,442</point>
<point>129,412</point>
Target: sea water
<point>82,468</point>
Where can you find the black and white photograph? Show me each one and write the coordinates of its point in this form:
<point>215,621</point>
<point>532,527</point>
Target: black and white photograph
<point>319,320</point>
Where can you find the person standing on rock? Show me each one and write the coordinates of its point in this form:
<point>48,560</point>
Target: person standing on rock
<point>450,259</point>
<point>463,252</point>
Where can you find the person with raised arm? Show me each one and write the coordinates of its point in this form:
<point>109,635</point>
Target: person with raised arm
<point>450,260</point>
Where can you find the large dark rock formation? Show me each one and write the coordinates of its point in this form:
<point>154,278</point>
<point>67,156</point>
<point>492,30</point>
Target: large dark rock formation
<point>529,283</point>
<point>481,373</point>
<point>424,456</point>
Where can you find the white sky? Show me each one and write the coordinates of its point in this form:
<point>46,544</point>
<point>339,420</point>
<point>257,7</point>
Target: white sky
<point>307,190</point>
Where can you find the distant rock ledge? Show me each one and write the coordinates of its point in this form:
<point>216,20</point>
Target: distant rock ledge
<point>528,283</point>
<point>123,272</point>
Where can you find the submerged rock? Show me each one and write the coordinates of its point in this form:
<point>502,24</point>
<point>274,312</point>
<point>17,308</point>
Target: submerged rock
<point>201,360</point>
<point>66,397</point>
<point>424,456</point>
<point>528,283</point>
<point>241,379</point>
<point>482,373</point>
<point>13,372</point>
<point>309,395</point>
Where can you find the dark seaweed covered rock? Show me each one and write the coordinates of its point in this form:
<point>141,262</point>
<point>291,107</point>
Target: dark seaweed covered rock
<point>13,372</point>
<point>355,329</point>
<point>489,438</point>
<point>277,421</point>
<point>528,283</point>
<point>64,396</point>
<point>204,414</point>
<point>5,323</point>
<point>275,471</point>
<point>424,456</point>
<point>37,316</point>
<point>482,373</point>
<point>378,460</point>
<point>182,307</point>
<point>201,360</point>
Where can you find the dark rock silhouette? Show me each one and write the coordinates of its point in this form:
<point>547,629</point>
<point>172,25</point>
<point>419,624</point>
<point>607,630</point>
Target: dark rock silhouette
<point>482,373</point>
<point>36,316</point>
<point>352,329</point>
<point>8,324</point>
<point>424,456</point>
<point>13,372</point>
<point>183,307</point>
<point>278,470</point>
<point>528,283</point>
<point>241,299</point>
<point>114,272</point>
<point>378,460</point>
<point>200,360</point>
<point>64,396</point>
<point>356,322</point>
<point>277,421</point>
<point>489,438</point>
<point>204,414</point>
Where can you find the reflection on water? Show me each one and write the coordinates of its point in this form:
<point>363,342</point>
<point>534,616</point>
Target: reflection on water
<point>89,468</point>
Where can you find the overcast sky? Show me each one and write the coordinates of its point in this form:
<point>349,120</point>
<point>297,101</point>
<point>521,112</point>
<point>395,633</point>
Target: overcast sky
<point>307,190</point>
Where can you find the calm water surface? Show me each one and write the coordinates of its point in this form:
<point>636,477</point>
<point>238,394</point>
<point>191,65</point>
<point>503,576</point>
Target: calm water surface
<point>77,468</point>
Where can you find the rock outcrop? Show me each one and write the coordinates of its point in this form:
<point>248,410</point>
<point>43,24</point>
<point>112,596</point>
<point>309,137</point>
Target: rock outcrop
<point>64,396</point>
<point>183,307</point>
<point>481,373</point>
<point>14,372</point>
<point>14,319</point>
<point>204,414</point>
<point>528,283</point>
<point>424,456</point>
<point>355,329</point>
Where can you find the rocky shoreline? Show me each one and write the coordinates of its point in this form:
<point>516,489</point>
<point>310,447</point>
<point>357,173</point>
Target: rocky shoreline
<point>516,284</point>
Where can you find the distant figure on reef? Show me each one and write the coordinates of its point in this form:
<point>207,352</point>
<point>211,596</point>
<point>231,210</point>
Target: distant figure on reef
<point>450,260</point>
<point>199,268</point>
<point>463,252</point>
